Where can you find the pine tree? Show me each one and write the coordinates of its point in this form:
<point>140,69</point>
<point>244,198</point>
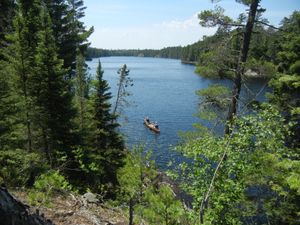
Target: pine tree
<point>107,142</point>
<point>21,57</point>
<point>10,135</point>
<point>82,86</point>
<point>69,32</point>
<point>76,37</point>
<point>7,109</point>
<point>53,103</point>
<point>107,136</point>
<point>6,19</point>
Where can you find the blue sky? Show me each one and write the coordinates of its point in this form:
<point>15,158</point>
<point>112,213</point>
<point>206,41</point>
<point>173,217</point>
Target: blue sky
<point>139,24</point>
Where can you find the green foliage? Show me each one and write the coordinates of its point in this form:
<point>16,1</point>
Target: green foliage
<point>156,205</point>
<point>161,207</point>
<point>101,153</point>
<point>256,157</point>
<point>11,135</point>
<point>169,52</point>
<point>134,178</point>
<point>104,121</point>
<point>264,69</point>
<point>82,83</point>
<point>212,18</point>
<point>20,56</point>
<point>215,95</point>
<point>6,19</point>
<point>69,32</point>
<point>19,168</point>
<point>286,84</point>
<point>43,49</point>
<point>137,171</point>
<point>50,97</point>
<point>46,186</point>
<point>217,55</point>
<point>214,101</point>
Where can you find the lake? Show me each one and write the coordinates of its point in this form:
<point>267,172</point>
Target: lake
<point>164,90</point>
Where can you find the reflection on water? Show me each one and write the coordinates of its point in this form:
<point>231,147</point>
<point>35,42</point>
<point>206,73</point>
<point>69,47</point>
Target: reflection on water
<point>164,90</point>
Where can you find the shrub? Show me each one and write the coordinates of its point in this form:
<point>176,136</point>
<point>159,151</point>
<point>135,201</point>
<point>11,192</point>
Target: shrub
<point>19,168</point>
<point>46,186</point>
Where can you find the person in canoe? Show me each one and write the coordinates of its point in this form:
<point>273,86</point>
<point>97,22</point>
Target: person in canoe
<point>147,119</point>
<point>151,125</point>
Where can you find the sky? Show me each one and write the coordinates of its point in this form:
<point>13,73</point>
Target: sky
<point>155,24</point>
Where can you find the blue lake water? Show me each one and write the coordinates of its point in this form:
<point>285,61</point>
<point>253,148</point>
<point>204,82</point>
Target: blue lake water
<point>164,90</point>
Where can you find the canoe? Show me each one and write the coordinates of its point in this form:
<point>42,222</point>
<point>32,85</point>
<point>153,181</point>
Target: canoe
<point>151,126</point>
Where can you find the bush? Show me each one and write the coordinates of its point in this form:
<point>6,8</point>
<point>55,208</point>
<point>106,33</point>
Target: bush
<point>263,69</point>
<point>46,186</point>
<point>207,72</point>
<point>19,168</point>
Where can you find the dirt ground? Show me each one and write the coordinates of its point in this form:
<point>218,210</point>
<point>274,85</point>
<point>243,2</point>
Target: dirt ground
<point>71,209</point>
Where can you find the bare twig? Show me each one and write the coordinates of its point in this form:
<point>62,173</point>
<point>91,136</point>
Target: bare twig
<point>205,199</point>
<point>204,202</point>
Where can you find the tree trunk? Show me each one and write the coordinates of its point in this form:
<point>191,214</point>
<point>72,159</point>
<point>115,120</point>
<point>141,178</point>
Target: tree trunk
<point>114,112</point>
<point>241,65</point>
<point>235,95</point>
<point>14,212</point>
<point>131,204</point>
<point>24,87</point>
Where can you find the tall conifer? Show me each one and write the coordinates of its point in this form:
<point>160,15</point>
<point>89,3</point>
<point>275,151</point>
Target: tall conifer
<point>69,32</point>
<point>107,142</point>
<point>10,135</point>
<point>54,112</point>
<point>21,56</point>
<point>7,8</point>
<point>82,86</point>
<point>107,136</point>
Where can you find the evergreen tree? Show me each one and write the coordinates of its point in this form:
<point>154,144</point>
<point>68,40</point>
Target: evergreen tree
<point>76,36</point>
<point>21,56</point>
<point>82,86</point>
<point>7,109</point>
<point>7,8</point>
<point>10,133</point>
<point>106,135</point>
<point>53,103</point>
<point>69,32</point>
<point>107,142</point>
<point>58,10</point>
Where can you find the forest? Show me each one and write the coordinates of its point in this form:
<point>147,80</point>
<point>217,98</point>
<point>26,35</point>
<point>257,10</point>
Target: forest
<point>59,130</point>
<point>210,51</point>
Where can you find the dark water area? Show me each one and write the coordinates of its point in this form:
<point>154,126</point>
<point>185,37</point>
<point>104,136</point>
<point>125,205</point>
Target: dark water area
<point>164,90</point>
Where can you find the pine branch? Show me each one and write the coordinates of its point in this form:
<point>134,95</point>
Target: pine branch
<point>269,25</point>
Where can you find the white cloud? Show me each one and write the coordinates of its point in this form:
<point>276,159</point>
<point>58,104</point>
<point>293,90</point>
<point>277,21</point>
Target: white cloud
<point>185,24</point>
<point>165,34</point>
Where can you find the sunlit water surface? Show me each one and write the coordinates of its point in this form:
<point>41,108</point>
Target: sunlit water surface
<point>164,90</point>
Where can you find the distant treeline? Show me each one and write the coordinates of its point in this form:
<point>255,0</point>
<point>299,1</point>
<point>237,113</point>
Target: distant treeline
<point>189,53</point>
<point>216,55</point>
<point>170,52</point>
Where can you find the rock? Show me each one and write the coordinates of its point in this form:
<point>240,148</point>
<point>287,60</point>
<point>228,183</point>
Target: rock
<point>63,213</point>
<point>90,198</point>
<point>12,211</point>
<point>163,179</point>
